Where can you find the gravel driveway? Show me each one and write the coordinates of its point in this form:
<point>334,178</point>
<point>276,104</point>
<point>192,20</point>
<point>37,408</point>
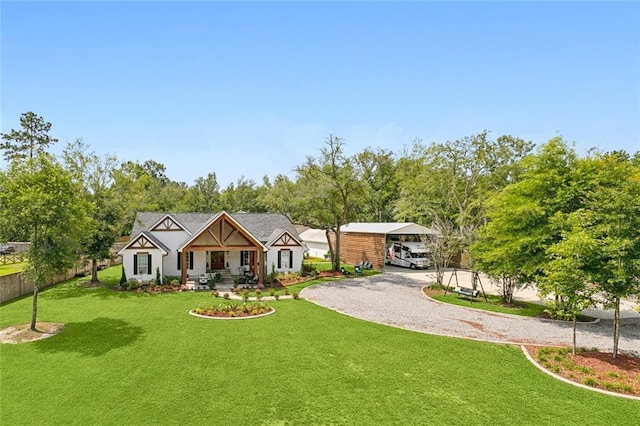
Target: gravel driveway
<point>398,301</point>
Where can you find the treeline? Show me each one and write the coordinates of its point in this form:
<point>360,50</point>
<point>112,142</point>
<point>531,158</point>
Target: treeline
<point>567,223</point>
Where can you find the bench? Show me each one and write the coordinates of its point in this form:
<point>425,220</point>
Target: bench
<point>465,291</point>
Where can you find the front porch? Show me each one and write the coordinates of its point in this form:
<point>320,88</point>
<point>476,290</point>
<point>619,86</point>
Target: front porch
<point>223,245</point>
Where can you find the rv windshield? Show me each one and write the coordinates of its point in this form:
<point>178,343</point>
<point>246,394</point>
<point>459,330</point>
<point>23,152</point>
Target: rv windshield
<point>419,255</point>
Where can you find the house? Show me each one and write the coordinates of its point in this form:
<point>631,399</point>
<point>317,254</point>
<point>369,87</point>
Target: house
<point>360,241</point>
<point>316,242</point>
<point>190,244</point>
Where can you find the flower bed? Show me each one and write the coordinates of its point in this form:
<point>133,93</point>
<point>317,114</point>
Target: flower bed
<point>233,310</point>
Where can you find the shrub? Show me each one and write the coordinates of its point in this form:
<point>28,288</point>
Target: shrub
<point>589,381</point>
<point>295,296</point>
<point>174,282</point>
<point>226,296</point>
<point>245,295</point>
<point>559,310</point>
<point>133,284</point>
<point>277,296</point>
<point>272,291</point>
<point>158,278</point>
<point>123,278</point>
<point>215,293</point>
<point>286,291</point>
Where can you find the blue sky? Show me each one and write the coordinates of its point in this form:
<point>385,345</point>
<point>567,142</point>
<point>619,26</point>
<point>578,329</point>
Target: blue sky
<point>252,88</point>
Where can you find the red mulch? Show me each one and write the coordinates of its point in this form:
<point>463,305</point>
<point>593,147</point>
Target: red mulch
<point>621,371</point>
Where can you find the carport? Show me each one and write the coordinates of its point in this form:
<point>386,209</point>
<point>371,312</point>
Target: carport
<point>368,241</point>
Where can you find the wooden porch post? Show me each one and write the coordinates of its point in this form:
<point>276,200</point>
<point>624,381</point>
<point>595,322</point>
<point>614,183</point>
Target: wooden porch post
<point>184,266</point>
<point>261,267</point>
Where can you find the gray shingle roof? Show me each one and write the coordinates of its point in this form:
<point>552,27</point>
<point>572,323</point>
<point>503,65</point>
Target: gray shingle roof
<point>260,225</point>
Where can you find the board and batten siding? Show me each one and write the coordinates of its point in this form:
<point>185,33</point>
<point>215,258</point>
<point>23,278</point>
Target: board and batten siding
<point>358,246</point>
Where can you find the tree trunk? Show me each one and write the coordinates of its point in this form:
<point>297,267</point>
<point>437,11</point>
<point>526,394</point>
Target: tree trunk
<point>94,270</point>
<point>507,290</point>
<point>336,254</point>
<point>616,326</point>
<point>327,232</point>
<point>574,334</point>
<point>34,313</point>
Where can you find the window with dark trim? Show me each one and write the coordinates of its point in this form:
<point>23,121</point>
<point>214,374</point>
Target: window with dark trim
<point>142,264</point>
<point>285,257</point>
<point>244,257</point>
<point>189,260</point>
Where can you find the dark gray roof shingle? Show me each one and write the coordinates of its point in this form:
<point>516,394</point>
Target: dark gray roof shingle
<point>260,225</point>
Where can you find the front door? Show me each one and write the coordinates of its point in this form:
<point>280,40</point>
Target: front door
<point>217,260</point>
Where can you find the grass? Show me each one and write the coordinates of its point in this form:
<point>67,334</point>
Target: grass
<point>494,304</point>
<point>138,358</point>
<point>11,268</point>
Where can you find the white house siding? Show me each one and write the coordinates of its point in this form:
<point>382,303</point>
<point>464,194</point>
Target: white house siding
<point>156,261</point>
<point>272,259</point>
<point>316,241</point>
<point>317,249</point>
<point>171,239</point>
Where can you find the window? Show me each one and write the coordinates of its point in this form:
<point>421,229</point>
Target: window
<point>142,264</point>
<point>244,258</point>
<point>285,259</point>
<point>189,260</point>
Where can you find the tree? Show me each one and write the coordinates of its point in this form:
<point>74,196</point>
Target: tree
<point>95,176</point>
<point>243,196</point>
<point>32,139</point>
<point>511,247</point>
<point>282,196</point>
<point>565,274</point>
<point>204,195</point>
<point>329,186</point>
<point>611,223</point>
<point>39,198</point>
<point>445,185</point>
<point>145,187</point>
<point>378,173</point>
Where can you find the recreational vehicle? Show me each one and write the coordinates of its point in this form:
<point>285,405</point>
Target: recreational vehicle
<point>412,255</point>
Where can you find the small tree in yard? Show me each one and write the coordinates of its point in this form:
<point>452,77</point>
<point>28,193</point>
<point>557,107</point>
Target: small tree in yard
<point>123,278</point>
<point>565,275</point>
<point>442,246</point>
<point>40,199</point>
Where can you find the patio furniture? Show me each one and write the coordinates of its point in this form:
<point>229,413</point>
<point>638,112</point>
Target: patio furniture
<point>344,271</point>
<point>467,292</point>
<point>358,270</point>
<point>203,279</point>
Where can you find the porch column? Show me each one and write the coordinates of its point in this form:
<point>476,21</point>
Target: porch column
<point>261,267</point>
<point>184,266</point>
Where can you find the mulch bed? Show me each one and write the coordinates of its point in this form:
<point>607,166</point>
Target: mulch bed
<point>621,374</point>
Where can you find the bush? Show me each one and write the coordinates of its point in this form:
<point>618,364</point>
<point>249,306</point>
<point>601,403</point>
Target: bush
<point>272,291</point>
<point>133,284</point>
<point>277,296</point>
<point>215,293</point>
<point>226,296</point>
<point>158,278</point>
<point>174,282</point>
<point>295,296</point>
<point>286,291</point>
<point>245,295</point>
<point>307,269</point>
<point>123,278</point>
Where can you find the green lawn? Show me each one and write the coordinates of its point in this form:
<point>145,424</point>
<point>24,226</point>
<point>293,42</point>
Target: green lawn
<point>494,304</point>
<point>11,268</point>
<point>128,358</point>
